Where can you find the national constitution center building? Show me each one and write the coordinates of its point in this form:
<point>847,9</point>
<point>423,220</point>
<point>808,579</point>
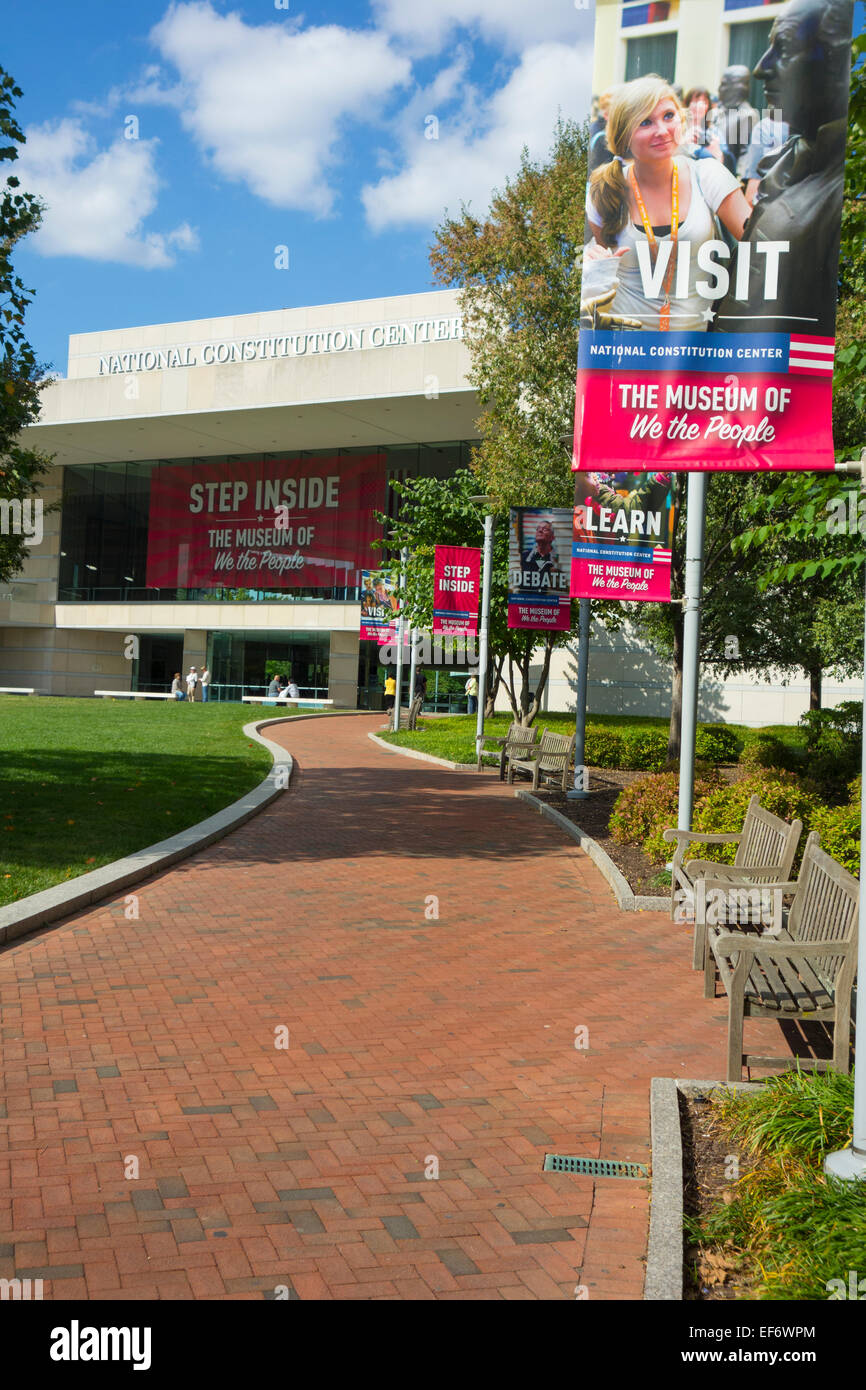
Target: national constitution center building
<point>217,484</point>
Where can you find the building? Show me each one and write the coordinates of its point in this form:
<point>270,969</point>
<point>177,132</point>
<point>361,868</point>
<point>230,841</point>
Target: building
<point>157,430</point>
<point>689,42</point>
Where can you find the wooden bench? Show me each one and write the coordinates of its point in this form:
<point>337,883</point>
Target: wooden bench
<point>550,760</point>
<point>803,967</point>
<point>134,695</point>
<point>409,717</point>
<point>766,847</point>
<point>518,739</point>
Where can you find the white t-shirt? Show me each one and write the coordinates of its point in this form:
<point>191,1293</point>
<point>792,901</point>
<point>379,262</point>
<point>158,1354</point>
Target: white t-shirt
<point>711,183</point>
<point>191,681</point>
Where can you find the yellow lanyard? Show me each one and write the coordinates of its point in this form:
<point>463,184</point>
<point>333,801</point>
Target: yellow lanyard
<point>665,311</point>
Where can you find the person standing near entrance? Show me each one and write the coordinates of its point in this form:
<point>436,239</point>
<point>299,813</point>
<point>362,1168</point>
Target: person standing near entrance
<point>191,683</point>
<point>390,692</point>
<point>205,685</point>
<point>472,693</point>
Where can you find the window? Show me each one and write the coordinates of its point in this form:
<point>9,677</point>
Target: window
<point>654,12</point>
<point>652,53</point>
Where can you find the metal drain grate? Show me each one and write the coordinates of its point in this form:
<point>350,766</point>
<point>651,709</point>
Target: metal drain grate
<point>597,1167</point>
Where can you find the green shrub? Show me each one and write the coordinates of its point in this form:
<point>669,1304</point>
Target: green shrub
<point>766,750</point>
<point>646,808</point>
<point>717,743</point>
<point>639,806</point>
<point>645,751</point>
<point>723,811</point>
<point>603,746</point>
<point>839,828</point>
<point>661,851</point>
<point>834,739</point>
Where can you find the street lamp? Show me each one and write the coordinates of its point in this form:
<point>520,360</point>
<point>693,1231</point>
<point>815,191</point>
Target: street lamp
<point>850,1163</point>
<point>484,631</point>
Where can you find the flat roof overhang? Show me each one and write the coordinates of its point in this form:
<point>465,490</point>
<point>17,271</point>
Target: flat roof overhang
<point>372,422</point>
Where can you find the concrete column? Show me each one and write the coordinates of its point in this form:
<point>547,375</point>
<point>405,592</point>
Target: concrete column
<point>194,654</point>
<point>343,669</point>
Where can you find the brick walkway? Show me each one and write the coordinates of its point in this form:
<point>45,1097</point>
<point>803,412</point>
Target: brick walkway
<point>150,1046</point>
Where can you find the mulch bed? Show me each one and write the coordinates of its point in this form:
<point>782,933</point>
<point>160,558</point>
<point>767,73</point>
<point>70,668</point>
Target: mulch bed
<point>709,1275</point>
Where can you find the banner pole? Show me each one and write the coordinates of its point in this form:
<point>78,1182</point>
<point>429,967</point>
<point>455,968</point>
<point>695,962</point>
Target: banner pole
<point>695,527</point>
<point>484,631</point>
<point>580,791</point>
<point>850,1163</point>
<point>413,661</point>
<point>404,559</point>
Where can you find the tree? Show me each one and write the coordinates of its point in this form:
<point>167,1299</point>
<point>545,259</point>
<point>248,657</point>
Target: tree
<point>21,378</point>
<point>436,511</point>
<point>518,271</point>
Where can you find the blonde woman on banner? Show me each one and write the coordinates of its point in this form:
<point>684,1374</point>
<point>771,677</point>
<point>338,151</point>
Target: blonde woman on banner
<point>650,210</point>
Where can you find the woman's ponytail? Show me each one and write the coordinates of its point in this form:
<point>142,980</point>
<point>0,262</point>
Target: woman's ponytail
<point>608,193</point>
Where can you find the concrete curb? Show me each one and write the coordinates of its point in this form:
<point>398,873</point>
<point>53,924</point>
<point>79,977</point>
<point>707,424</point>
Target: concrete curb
<point>420,757</point>
<point>29,914</point>
<point>664,1262</point>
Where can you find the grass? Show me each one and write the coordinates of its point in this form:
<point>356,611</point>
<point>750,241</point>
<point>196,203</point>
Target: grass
<point>84,782</point>
<point>453,736</point>
<point>798,1228</point>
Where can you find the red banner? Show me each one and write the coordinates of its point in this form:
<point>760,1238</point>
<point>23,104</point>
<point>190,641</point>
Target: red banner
<point>456,581</point>
<point>623,532</point>
<point>274,524</point>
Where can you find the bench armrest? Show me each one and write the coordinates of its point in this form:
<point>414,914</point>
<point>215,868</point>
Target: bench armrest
<point>731,885</point>
<point>683,836</point>
<point>733,942</point>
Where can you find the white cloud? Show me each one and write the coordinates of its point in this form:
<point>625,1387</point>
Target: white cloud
<point>424,24</point>
<point>267,103</point>
<point>479,146</point>
<point>97,200</point>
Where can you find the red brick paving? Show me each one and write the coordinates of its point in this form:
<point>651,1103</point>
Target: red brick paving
<point>152,1042</point>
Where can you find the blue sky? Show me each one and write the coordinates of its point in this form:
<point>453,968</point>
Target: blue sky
<point>263,125</point>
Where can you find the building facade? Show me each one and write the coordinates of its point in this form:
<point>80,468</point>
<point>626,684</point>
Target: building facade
<point>171,445</point>
<point>689,42</point>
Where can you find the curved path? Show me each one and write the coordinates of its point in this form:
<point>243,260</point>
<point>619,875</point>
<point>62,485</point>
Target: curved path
<point>161,1142</point>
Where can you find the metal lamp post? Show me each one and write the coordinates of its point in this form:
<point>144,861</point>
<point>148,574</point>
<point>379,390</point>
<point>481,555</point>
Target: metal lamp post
<point>850,1163</point>
<point>404,560</point>
<point>484,630</point>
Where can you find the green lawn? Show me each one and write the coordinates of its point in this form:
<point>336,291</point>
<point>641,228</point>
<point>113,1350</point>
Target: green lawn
<point>453,736</point>
<point>84,782</point>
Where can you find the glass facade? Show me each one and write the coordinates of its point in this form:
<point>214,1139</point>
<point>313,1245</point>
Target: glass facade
<point>104,526</point>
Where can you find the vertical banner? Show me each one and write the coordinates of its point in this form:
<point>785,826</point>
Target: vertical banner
<point>708,300</point>
<point>539,550</point>
<point>456,579</point>
<point>623,531</point>
<point>379,607</point>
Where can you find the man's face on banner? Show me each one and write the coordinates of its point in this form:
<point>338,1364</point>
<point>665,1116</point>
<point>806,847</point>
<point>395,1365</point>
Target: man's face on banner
<point>544,537</point>
<point>802,68</point>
